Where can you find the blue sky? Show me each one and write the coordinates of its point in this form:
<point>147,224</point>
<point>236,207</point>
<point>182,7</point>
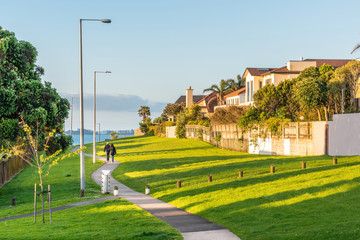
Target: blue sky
<point>156,49</point>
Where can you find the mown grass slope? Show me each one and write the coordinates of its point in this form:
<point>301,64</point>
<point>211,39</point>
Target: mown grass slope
<point>320,202</point>
<point>117,219</point>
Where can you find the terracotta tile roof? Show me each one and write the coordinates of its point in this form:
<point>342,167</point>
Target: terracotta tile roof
<point>206,97</point>
<point>236,93</point>
<point>196,98</point>
<point>258,71</point>
<point>281,70</point>
<point>333,62</point>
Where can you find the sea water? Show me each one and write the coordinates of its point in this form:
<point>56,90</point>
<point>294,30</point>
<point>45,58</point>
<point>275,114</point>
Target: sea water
<point>89,138</point>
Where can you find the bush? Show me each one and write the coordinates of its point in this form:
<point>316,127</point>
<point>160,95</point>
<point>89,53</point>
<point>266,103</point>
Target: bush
<point>58,142</point>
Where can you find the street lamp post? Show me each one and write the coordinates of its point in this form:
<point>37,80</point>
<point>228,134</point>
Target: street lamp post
<point>94,117</point>
<point>82,157</point>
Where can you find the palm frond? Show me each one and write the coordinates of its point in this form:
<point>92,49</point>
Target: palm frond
<point>355,48</point>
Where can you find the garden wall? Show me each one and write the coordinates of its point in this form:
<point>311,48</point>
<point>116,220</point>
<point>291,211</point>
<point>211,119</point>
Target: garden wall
<point>9,168</point>
<point>300,138</point>
<point>344,135</point>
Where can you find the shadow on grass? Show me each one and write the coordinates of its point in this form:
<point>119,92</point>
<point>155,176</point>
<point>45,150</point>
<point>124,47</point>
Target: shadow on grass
<point>329,217</point>
<point>245,181</point>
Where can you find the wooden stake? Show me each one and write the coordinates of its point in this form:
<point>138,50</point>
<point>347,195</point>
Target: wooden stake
<point>272,169</point>
<point>303,165</point>
<point>178,183</point>
<point>334,160</point>
<point>209,178</point>
<point>49,198</point>
<point>35,204</point>
<point>241,174</point>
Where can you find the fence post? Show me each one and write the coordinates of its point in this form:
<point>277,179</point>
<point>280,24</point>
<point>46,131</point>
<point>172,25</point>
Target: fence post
<point>178,183</point>
<point>272,168</point>
<point>241,174</point>
<point>209,178</point>
<point>334,160</point>
<point>303,165</point>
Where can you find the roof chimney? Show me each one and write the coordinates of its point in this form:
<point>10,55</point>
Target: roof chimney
<point>189,97</point>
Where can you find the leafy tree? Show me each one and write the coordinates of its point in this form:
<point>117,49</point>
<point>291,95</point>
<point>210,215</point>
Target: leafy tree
<point>349,76</point>
<point>221,90</point>
<point>23,93</point>
<point>266,100</point>
<point>114,135</point>
<point>173,109</point>
<point>312,94</point>
<point>40,161</point>
<point>181,121</point>
<point>144,112</point>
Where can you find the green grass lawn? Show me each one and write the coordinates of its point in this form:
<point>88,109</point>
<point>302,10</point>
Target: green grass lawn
<point>64,180</point>
<point>117,219</point>
<point>114,219</point>
<point>320,202</point>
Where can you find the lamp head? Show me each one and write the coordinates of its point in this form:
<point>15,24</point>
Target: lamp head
<point>105,20</point>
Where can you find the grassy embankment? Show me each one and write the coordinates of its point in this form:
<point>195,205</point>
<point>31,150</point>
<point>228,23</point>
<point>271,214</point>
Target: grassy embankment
<point>105,220</point>
<point>320,202</point>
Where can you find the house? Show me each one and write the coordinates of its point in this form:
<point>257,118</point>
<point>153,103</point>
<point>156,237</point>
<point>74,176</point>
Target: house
<point>208,104</point>
<point>257,77</point>
<point>253,81</point>
<point>235,98</point>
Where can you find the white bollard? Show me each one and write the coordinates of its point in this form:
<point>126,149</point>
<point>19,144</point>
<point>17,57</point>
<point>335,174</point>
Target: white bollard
<point>105,186</point>
<point>147,189</point>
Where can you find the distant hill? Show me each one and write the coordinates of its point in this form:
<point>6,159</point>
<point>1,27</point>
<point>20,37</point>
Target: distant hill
<point>106,132</point>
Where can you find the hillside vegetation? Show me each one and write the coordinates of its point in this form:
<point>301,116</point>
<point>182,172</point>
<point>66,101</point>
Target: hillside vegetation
<point>320,202</point>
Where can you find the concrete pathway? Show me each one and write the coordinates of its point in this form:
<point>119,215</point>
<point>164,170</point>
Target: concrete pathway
<point>191,226</point>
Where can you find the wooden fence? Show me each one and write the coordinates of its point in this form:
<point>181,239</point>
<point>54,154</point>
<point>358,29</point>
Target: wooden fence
<point>9,168</point>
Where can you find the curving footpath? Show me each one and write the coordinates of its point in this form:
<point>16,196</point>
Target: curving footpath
<point>191,226</point>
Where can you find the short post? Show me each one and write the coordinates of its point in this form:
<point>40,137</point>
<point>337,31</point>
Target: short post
<point>209,178</point>
<point>303,165</point>
<point>147,189</point>
<point>241,174</point>
<point>35,204</point>
<point>13,201</point>
<point>272,168</point>
<point>116,190</point>
<point>49,198</point>
<point>178,183</point>
<point>334,160</point>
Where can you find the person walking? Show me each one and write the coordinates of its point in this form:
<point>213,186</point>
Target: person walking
<point>107,150</point>
<point>112,152</point>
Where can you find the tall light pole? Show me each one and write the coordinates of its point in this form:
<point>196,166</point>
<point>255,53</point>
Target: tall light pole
<point>72,109</point>
<point>94,118</point>
<point>82,157</point>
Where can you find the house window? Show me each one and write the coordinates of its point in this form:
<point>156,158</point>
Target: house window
<point>247,92</point>
<point>252,90</point>
<point>260,84</point>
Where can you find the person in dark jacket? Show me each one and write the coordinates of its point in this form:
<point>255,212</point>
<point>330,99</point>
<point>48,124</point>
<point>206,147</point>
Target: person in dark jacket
<point>112,152</point>
<point>107,150</point>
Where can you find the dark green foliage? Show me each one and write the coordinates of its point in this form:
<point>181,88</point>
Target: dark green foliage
<point>58,142</point>
<point>23,93</point>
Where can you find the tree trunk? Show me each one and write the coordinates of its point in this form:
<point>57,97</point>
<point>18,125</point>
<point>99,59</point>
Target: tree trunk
<point>326,114</point>
<point>319,114</point>
<point>42,195</point>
